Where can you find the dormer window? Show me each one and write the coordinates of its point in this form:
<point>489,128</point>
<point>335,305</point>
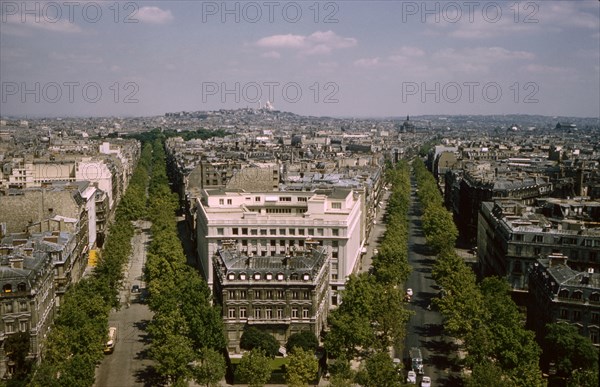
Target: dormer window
<point>256,276</point>
<point>269,276</point>
<point>231,276</point>
<point>280,276</point>
<point>243,276</point>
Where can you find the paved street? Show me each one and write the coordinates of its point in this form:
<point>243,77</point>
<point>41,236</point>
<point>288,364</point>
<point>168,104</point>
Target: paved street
<point>128,364</point>
<point>424,329</point>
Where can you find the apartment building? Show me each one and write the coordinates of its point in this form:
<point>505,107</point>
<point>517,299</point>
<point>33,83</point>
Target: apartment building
<point>557,293</point>
<point>511,237</point>
<point>268,224</point>
<point>27,301</point>
<point>281,294</point>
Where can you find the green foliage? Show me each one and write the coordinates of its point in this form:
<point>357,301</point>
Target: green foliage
<point>484,316</point>
<point>255,338</point>
<point>184,319</point>
<point>379,370</point>
<point>16,347</point>
<point>302,367</point>
<point>305,340</point>
<point>569,351</point>
<point>254,368</point>
<point>371,317</point>
<point>209,369</point>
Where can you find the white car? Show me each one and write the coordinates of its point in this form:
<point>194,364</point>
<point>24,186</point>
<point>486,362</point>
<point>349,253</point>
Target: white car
<point>411,377</point>
<point>426,381</point>
<point>375,251</point>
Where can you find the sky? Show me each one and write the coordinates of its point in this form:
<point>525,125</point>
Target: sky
<point>326,58</point>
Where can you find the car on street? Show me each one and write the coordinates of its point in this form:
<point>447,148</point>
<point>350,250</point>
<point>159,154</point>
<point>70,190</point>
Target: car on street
<point>411,377</point>
<point>426,381</point>
<point>375,251</point>
<point>135,289</point>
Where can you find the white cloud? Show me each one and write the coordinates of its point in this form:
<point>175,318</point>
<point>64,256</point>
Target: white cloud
<point>271,55</point>
<point>153,15</point>
<point>317,43</point>
<point>41,23</point>
<point>367,62</point>
<point>543,69</point>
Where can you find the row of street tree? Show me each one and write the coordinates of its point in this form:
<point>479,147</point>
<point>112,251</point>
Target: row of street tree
<point>76,340</point>
<point>187,330</point>
<point>482,316</point>
<point>372,316</point>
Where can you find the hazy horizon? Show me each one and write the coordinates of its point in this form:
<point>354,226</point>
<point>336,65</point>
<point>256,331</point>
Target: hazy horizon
<point>335,59</point>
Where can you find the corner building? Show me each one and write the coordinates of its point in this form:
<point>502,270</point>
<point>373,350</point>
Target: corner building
<point>281,295</point>
<point>265,224</point>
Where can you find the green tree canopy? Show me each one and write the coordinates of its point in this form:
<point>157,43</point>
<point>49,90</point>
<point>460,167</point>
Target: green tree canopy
<point>254,368</point>
<point>305,340</point>
<point>302,367</point>
<point>568,350</point>
<point>255,338</point>
<point>209,368</point>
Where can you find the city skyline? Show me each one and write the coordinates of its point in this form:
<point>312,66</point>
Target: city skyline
<point>340,59</point>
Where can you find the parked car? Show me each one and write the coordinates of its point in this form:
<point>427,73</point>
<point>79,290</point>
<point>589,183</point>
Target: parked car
<point>375,251</point>
<point>426,381</point>
<point>135,289</point>
<point>411,377</point>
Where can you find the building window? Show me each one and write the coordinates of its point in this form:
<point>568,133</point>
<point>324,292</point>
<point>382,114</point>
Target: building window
<point>285,199</point>
<point>280,313</point>
<point>269,314</point>
<point>243,313</point>
<point>257,276</point>
<point>8,308</point>
<point>294,312</point>
<point>577,295</point>
<point>538,238</point>
<point>9,327</point>
<point>334,277</point>
<point>292,231</point>
<point>305,313</point>
<point>335,244</point>
<point>334,254</point>
<point>336,205</point>
<point>519,237</point>
<point>576,315</point>
<point>335,232</point>
<point>564,314</point>
<point>235,231</point>
<point>254,232</point>
<point>272,231</point>
<point>594,337</point>
<point>21,287</point>
<point>243,276</point>
<point>301,199</point>
<point>300,231</point>
<point>244,231</point>
<point>306,295</point>
<point>282,243</point>
<point>320,232</point>
<point>280,295</point>
<point>221,201</point>
<point>269,294</point>
<point>243,295</point>
<point>257,294</point>
<point>231,294</point>
<point>295,295</point>
<point>257,313</point>
<point>220,231</point>
<point>269,276</point>
<point>596,318</point>
<point>231,276</point>
<point>23,306</point>
<point>7,288</point>
<point>23,326</point>
<point>229,201</point>
<point>231,313</point>
<point>280,277</point>
<point>263,231</point>
<point>282,231</point>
